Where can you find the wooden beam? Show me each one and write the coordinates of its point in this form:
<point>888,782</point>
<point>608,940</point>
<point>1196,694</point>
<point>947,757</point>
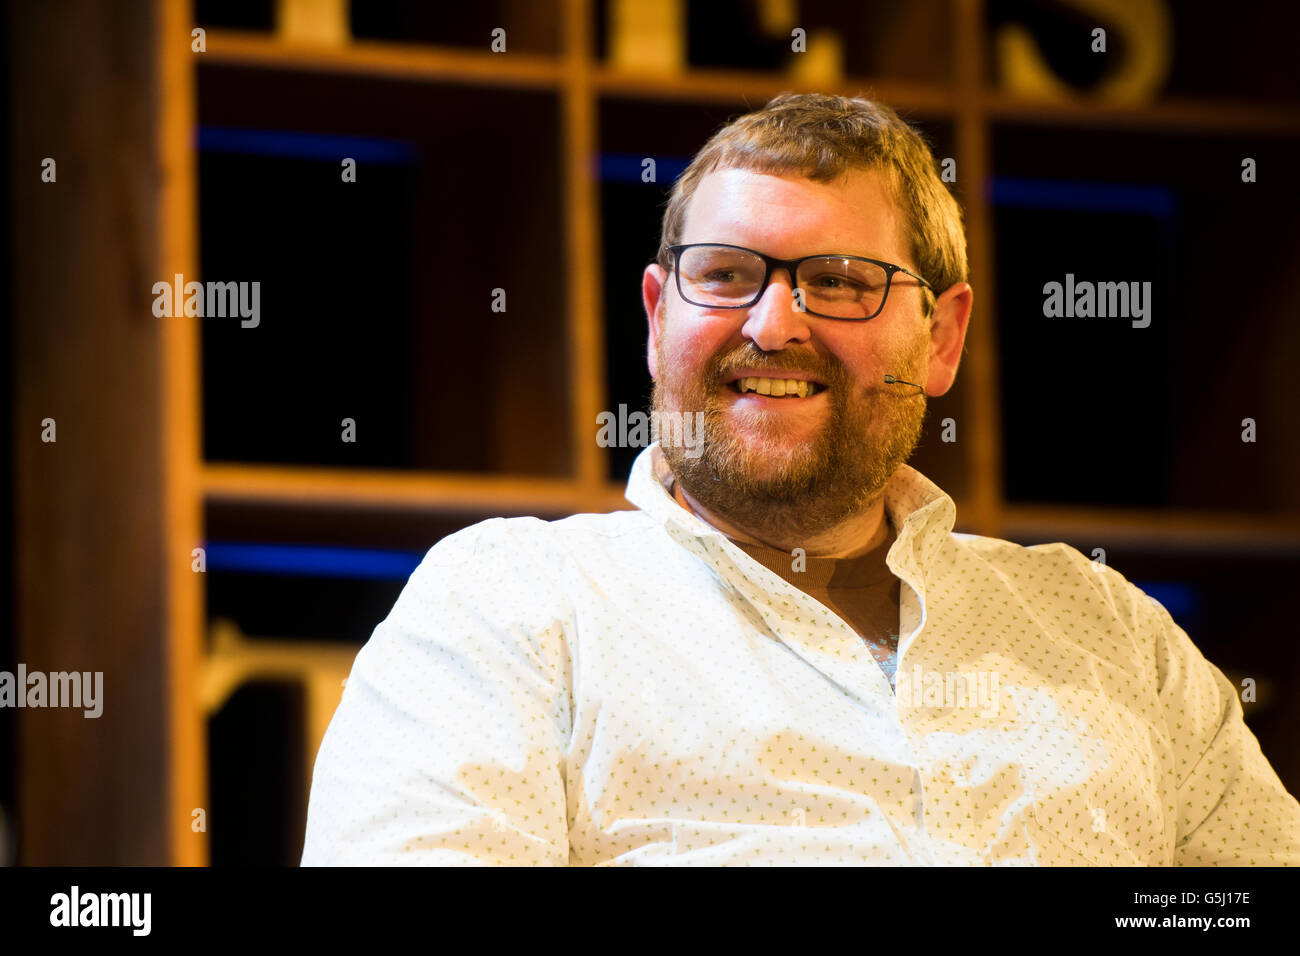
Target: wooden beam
<point>176,225</point>
<point>981,363</point>
<point>1168,115</point>
<point>387,59</point>
<point>91,542</point>
<point>413,491</point>
<point>580,142</point>
<point>754,88</point>
<point>1185,531</point>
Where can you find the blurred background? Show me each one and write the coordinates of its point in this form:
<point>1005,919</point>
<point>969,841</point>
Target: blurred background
<point>209,531</point>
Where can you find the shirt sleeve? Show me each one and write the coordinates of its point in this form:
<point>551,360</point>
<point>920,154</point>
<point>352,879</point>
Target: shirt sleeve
<point>448,745</point>
<point>1231,807</point>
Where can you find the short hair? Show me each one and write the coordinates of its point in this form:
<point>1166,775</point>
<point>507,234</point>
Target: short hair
<point>821,137</point>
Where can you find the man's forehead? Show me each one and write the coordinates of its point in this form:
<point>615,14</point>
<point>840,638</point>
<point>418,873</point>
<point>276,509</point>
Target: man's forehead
<point>789,214</point>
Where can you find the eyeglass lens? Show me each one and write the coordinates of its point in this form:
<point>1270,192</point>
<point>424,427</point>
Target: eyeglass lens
<point>841,288</point>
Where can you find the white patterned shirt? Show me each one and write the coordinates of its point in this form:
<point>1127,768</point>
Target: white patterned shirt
<point>633,689</point>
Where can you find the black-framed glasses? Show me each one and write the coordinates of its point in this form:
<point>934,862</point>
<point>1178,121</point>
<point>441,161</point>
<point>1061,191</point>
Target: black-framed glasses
<point>715,275</point>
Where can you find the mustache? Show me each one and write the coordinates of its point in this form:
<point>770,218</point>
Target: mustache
<point>749,356</point>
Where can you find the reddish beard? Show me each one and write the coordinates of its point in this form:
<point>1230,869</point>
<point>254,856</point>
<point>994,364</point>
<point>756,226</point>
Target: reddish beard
<point>794,489</point>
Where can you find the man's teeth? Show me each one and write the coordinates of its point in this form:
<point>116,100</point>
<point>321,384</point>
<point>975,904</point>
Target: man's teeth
<point>777,387</point>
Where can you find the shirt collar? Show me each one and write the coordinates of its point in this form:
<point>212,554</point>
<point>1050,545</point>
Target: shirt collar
<point>920,511</point>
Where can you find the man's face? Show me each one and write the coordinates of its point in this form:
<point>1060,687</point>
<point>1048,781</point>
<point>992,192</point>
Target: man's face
<point>793,465</point>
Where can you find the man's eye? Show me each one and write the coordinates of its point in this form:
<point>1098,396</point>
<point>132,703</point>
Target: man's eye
<point>720,275</point>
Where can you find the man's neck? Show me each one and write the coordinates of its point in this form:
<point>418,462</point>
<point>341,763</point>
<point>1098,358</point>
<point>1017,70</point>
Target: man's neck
<point>857,536</point>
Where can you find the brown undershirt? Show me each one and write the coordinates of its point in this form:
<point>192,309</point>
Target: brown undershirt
<point>862,591</point>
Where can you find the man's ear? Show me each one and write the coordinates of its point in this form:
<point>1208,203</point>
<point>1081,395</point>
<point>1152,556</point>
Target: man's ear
<point>653,285</point>
<point>948,336</point>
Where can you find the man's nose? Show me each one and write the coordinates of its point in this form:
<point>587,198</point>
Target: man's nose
<point>774,321</point>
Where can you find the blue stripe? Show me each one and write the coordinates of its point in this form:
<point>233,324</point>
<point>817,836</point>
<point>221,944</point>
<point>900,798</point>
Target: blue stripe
<point>293,145</point>
<point>311,560</point>
<point>626,168</point>
<point>1181,600</point>
<point>1158,201</point>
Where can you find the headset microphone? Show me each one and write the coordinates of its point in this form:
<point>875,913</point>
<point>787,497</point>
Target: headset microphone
<point>890,380</point>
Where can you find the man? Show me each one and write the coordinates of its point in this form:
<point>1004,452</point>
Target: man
<point>785,655</point>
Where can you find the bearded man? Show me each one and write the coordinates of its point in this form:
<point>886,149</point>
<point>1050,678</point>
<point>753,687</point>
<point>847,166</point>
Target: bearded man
<point>785,655</point>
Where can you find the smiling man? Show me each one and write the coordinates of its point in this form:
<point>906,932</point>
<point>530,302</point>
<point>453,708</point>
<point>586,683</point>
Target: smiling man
<point>785,655</point>
<point>802,466</point>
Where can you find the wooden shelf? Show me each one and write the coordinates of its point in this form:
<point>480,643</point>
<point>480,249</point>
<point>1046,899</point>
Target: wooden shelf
<point>441,492</point>
<point>416,491</point>
<point>579,81</point>
<point>399,61</point>
<point>1181,530</point>
<point>428,63</point>
<point>752,88</point>
<point>421,62</point>
<point>1166,115</point>
<point>135,389</point>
